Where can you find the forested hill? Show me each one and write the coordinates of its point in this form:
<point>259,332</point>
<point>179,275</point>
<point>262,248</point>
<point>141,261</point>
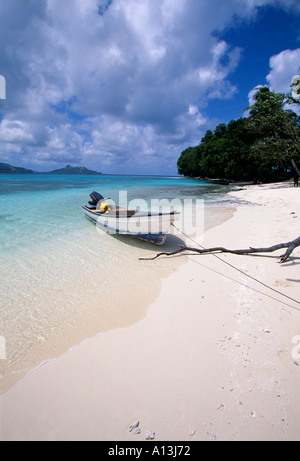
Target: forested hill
<point>74,170</point>
<point>5,168</point>
<point>264,146</point>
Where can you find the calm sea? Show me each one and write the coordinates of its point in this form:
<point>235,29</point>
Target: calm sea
<point>62,282</point>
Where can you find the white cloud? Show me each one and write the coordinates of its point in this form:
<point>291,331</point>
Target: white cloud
<point>283,67</point>
<point>15,132</point>
<point>111,81</point>
<point>252,93</point>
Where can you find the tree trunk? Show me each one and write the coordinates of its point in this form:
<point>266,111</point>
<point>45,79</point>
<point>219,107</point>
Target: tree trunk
<point>289,245</point>
<point>295,167</point>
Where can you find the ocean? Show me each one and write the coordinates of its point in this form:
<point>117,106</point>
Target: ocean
<point>62,281</point>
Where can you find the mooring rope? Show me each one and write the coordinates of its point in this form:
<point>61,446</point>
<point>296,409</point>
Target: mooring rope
<point>239,270</point>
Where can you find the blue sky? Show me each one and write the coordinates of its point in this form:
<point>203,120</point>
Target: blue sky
<point>123,86</point>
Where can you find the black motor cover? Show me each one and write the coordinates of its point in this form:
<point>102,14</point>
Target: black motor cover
<point>95,196</point>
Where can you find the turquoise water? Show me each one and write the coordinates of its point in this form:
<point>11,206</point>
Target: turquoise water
<point>61,281</point>
<point>37,208</point>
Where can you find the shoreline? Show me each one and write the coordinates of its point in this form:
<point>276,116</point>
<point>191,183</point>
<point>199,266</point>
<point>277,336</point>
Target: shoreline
<point>210,360</point>
<point>97,308</point>
<point>92,314</point>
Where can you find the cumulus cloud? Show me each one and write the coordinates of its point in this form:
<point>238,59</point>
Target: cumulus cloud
<point>283,67</point>
<point>111,82</point>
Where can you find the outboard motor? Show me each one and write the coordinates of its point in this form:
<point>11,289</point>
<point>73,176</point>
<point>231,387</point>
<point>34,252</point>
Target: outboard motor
<point>96,197</point>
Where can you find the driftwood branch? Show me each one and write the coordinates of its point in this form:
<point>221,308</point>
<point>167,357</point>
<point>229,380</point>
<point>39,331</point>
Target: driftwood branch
<point>289,245</point>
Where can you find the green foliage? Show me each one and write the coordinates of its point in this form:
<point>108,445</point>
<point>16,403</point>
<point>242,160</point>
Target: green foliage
<point>258,147</point>
<point>188,163</point>
<point>277,128</point>
<point>226,153</point>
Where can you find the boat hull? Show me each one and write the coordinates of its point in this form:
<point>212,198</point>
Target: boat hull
<point>151,227</point>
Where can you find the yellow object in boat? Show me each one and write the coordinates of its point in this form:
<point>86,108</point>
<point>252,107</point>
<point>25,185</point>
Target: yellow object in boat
<point>103,207</point>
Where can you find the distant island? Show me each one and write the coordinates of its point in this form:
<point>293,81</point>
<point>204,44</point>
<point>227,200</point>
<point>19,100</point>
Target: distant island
<point>74,170</point>
<point>5,168</point>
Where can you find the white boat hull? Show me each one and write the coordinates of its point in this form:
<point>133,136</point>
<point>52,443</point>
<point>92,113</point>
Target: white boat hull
<point>152,226</point>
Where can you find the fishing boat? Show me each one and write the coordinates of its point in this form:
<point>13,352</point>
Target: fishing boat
<point>151,226</point>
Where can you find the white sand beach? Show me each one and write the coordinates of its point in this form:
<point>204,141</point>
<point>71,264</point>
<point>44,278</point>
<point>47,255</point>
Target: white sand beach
<point>216,357</point>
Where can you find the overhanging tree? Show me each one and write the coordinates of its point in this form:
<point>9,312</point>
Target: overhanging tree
<point>294,98</point>
<point>277,129</point>
<point>276,133</point>
<point>225,153</point>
